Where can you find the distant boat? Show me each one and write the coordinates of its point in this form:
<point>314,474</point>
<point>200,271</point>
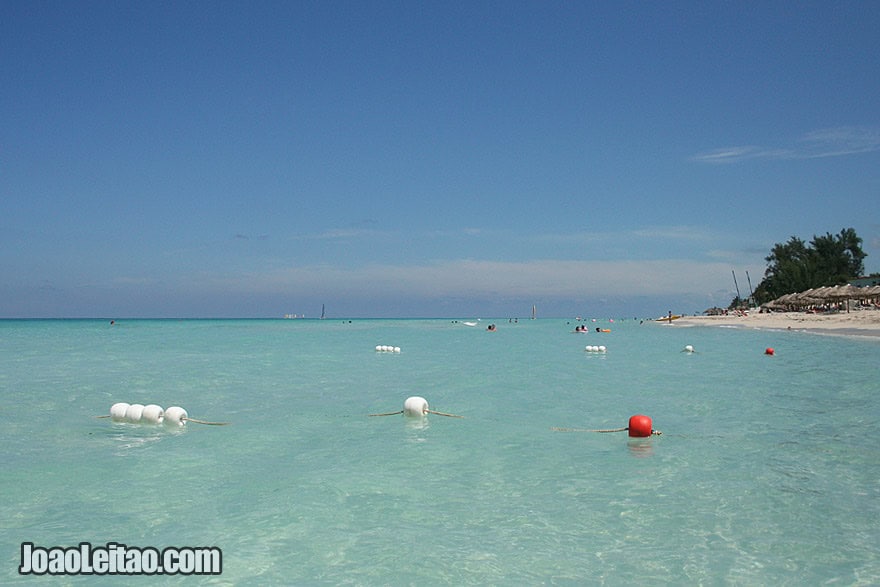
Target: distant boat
<point>534,311</point>
<point>322,311</point>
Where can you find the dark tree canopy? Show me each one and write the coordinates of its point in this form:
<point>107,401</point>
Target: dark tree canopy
<point>797,266</point>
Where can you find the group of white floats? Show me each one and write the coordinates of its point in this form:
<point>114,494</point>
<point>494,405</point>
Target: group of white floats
<point>173,417</point>
<point>384,348</point>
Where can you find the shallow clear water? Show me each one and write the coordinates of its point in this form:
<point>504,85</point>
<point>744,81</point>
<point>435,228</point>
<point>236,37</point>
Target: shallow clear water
<point>768,471</point>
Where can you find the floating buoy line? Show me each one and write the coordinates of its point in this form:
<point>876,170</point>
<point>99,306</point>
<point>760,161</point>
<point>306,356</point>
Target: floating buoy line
<point>384,348</point>
<point>173,417</point>
<point>416,407</point>
<point>640,426</point>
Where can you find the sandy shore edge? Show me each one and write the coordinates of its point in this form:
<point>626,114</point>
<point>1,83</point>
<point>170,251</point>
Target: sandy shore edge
<point>857,323</point>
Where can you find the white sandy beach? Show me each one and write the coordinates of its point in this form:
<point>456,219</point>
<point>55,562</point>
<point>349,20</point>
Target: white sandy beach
<point>858,322</point>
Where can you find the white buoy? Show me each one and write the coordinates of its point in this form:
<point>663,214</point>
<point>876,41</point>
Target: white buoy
<point>601,348</point>
<point>175,416</point>
<point>397,349</point>
<point>152,414</point>
<point>415,407</point>
<point>689,348</point>
<point>117,411</point>
<point>133,413</point>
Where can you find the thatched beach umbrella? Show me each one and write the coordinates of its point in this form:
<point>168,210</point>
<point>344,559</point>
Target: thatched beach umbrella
<point>773,304</point>
<point>821,293</point>
<point>791,301</point>
<point>840,293</point>
<point>785,301</point>
<point>866,293</point>
<point>809,297</point>
<point>872,293</point>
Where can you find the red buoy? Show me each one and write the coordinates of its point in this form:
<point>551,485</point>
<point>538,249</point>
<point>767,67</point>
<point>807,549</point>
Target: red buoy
<point>769,351</point>
<point>640,426</point>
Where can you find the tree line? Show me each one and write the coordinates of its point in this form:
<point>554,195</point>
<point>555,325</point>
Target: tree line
<point>796,266</point>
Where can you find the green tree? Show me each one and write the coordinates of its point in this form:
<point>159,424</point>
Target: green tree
<point>838,258</point>
<point>794,266</point>
<point>789,269</point>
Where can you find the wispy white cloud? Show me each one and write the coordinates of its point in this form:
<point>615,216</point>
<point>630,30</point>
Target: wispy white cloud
<point>130,280</point>
<point>685,233</point>
<point>344,234</point>
<point>685,261</point>
<point>244,237</point>
<point>483,278</point>
<point>657,233</point>
<point>724,254</point>
<point>836,142</point>
<point>728,154</point>
<point>465,231</point>
<point>829,142</point>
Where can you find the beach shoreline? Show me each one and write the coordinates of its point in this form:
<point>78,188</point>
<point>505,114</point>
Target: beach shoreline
<point>855,323</point>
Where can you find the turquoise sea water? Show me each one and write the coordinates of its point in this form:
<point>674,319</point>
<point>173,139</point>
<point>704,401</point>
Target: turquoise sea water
<point>767,472</point>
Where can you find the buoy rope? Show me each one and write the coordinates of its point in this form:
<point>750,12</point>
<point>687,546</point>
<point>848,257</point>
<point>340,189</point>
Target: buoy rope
<point>427,411</point>
<point>188,419</point>
<point>584,430</point>
<point>444,414</point>
<point>653,432</point>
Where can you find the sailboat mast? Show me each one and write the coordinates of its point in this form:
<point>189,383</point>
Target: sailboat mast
<point>751,291</point>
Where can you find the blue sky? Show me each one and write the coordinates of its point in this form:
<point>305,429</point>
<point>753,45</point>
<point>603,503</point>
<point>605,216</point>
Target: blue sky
<point>442,159</point>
